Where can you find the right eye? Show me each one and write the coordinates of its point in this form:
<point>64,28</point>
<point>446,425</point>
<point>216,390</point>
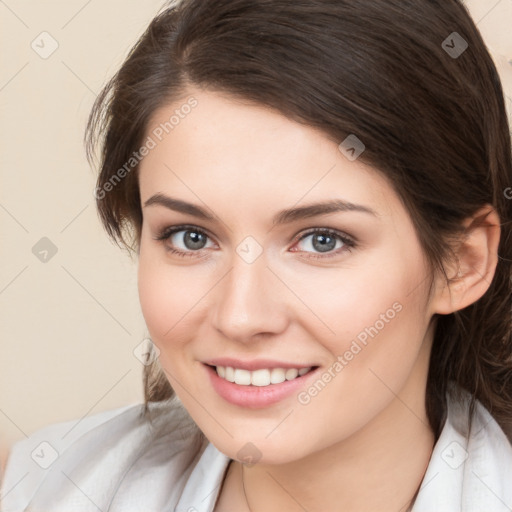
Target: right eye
<point>183,241</point>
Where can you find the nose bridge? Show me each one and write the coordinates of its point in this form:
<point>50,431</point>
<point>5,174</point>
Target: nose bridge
<point>248,301</point>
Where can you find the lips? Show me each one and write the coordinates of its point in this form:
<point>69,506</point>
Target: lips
<point>257,397</point>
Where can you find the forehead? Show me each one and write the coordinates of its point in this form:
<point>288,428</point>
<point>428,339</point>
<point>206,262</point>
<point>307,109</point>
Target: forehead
<point>229,149</point>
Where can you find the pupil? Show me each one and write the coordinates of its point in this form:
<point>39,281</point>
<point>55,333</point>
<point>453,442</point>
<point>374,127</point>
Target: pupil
<point>194,240</point>
<point>320,243</point>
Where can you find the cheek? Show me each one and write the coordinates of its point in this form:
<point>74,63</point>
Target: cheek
<point>379,328</point>
<point>380,324</point>
<point>164,296</point>
<point>373,314</point>
<point>173,299</point>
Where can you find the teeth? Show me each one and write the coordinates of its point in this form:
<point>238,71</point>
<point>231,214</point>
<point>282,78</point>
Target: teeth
<point>291,373</point>
<point>260,377</point>
<point>230,374</point>
<point>277,375</point>
<point>263,377</point>
<point>242,377</point>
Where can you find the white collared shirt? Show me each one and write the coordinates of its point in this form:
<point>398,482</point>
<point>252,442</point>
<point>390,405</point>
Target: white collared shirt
<point>117,461</point>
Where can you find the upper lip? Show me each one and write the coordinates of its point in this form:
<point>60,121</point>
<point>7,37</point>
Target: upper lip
<point>254,364</point>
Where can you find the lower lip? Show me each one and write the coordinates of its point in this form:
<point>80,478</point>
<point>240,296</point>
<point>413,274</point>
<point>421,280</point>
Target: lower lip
<point>255,397</point>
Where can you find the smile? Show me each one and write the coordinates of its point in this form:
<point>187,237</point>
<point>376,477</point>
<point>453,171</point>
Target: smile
<point>254,389</point>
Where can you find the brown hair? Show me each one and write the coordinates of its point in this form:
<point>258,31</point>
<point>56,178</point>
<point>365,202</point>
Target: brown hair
<point>433,121</point>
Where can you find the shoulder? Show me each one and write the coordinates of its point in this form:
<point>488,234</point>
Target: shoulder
<point>471,465</point>
<point>101,460</point>
<point>488,467</point>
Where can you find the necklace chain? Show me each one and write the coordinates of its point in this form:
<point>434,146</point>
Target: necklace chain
<point>243,487</point>
<point>409,509</point>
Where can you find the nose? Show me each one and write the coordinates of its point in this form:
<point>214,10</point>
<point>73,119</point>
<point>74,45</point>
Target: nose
<point>250,301</point>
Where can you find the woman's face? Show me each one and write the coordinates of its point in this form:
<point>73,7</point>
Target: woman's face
<point>250,283</point>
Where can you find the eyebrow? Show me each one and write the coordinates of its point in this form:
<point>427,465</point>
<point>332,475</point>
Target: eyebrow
<point>282,217</point>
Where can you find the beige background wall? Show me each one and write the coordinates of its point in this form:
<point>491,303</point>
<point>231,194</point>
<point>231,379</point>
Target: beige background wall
<point>69,324</point>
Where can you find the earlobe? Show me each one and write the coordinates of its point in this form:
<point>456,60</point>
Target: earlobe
<point>477,257</point>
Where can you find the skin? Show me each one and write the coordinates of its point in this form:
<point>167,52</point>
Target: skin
<point>367,429</point>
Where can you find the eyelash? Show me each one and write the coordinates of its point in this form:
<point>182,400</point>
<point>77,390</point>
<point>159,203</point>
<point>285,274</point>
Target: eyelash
<point>349,242</point>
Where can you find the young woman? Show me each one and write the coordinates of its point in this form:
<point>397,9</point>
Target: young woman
<point>316,191</point>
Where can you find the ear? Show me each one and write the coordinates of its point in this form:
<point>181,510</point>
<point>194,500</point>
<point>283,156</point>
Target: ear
<point>477,258</point>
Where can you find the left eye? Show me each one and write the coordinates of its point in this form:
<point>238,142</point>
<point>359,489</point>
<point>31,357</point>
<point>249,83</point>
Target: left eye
<point>325,241</point>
